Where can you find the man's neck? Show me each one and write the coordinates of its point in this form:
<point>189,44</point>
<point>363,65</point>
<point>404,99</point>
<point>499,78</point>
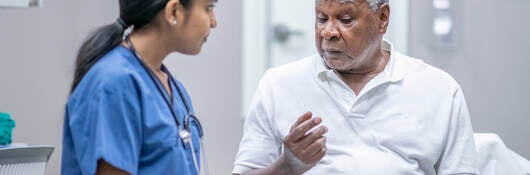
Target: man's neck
<point>356,81</point>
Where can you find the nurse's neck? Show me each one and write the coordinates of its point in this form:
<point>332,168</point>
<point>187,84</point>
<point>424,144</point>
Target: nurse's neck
<point>150,47</point>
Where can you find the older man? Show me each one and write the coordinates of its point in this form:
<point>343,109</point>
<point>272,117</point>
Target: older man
<point>382,113</point>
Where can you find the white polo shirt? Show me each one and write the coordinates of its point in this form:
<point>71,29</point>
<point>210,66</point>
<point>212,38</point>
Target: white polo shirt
<point>411,119</point>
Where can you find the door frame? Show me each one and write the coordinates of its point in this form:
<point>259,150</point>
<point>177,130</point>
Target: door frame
<point>255,47</point>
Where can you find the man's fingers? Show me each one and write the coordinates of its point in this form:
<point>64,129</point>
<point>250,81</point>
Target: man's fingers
<point>312,136</point>
<point>320,154</point>
<point>315,152</point>
<point>301,119</point>
<point>315,147</point>
<point>300,131</point>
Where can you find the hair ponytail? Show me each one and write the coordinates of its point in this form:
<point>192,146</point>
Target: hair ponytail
<point>137,13</point>
<point>95,46</point>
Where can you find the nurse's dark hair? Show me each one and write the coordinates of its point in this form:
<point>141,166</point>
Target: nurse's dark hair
<point>139,13</point>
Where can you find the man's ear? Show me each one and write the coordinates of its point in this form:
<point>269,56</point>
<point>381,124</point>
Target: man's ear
<point>383,14</point>
<point>174,12</point>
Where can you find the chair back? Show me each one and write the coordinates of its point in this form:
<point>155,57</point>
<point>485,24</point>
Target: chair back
<point>27,160</point>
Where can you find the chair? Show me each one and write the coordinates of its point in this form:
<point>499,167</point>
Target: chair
<point>26,160</point>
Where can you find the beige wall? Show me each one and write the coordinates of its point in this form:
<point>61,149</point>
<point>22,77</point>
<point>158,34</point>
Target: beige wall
<point>37,50</point>
<point>213,80</point>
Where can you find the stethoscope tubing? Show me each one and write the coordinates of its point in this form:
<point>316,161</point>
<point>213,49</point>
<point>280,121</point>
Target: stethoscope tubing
<point>189,114</point>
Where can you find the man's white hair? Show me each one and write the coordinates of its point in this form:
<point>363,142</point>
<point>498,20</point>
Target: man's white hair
<point>375,4</point>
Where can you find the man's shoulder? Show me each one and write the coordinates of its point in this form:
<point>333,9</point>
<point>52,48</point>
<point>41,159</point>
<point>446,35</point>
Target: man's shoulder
<point>418,69</point>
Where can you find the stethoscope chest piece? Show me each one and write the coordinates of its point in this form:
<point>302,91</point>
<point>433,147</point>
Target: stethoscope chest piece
<point>184,135</point>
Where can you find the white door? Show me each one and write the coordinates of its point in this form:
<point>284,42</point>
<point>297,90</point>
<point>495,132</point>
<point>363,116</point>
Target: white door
<point>279,31</point>
<point>291,30</point>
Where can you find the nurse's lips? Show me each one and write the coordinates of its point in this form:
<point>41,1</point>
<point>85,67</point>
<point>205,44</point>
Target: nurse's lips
<point>206,38</point>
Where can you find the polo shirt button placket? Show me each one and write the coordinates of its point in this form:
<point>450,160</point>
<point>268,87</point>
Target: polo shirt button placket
<point>354,113</point>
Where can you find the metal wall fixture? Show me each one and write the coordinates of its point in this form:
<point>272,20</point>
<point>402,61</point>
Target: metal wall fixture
<point>20,3</point>
<point>443,22</point>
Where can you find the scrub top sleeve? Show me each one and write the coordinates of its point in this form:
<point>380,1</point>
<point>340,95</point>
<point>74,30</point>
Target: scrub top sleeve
<point>107,126</point>
<point>459,153</point>
<point>259,147</point>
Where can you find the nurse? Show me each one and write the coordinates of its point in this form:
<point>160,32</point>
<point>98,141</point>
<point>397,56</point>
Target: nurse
<point>126,114</point>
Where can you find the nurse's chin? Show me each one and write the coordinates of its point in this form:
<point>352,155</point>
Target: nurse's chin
<point>197,51</point>
<point>191,51</point>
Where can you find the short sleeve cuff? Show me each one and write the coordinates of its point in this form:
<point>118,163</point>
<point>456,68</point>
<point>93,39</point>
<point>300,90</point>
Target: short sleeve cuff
<point>239,169</point>
<point>124,166</point>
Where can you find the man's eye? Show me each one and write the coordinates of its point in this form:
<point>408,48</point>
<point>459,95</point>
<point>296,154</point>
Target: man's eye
<point>346,20</point>
<point>321,20</point>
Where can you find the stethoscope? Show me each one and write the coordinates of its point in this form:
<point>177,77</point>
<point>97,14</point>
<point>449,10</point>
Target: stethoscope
<point>184,132</point>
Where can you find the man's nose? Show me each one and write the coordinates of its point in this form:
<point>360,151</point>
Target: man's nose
<point>330,32</point>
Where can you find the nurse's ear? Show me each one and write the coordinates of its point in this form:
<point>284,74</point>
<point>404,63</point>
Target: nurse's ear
<point>174,12</point>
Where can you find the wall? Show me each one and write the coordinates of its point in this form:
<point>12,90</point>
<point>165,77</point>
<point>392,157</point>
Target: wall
<point>213,80</point>
<point>489,60</point>
<point>37,52</point>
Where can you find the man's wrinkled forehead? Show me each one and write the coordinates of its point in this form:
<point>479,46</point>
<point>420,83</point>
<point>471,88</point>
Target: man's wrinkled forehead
<point>356,2</point>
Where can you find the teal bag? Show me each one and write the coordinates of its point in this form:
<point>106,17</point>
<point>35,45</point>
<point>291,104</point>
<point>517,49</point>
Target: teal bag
<point>6,128</point>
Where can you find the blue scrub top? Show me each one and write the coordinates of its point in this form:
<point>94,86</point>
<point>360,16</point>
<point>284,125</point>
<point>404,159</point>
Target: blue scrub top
<point>117,114</point>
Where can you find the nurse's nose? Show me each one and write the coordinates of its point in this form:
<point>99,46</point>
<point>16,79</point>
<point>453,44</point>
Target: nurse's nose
<point>213,21</point>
